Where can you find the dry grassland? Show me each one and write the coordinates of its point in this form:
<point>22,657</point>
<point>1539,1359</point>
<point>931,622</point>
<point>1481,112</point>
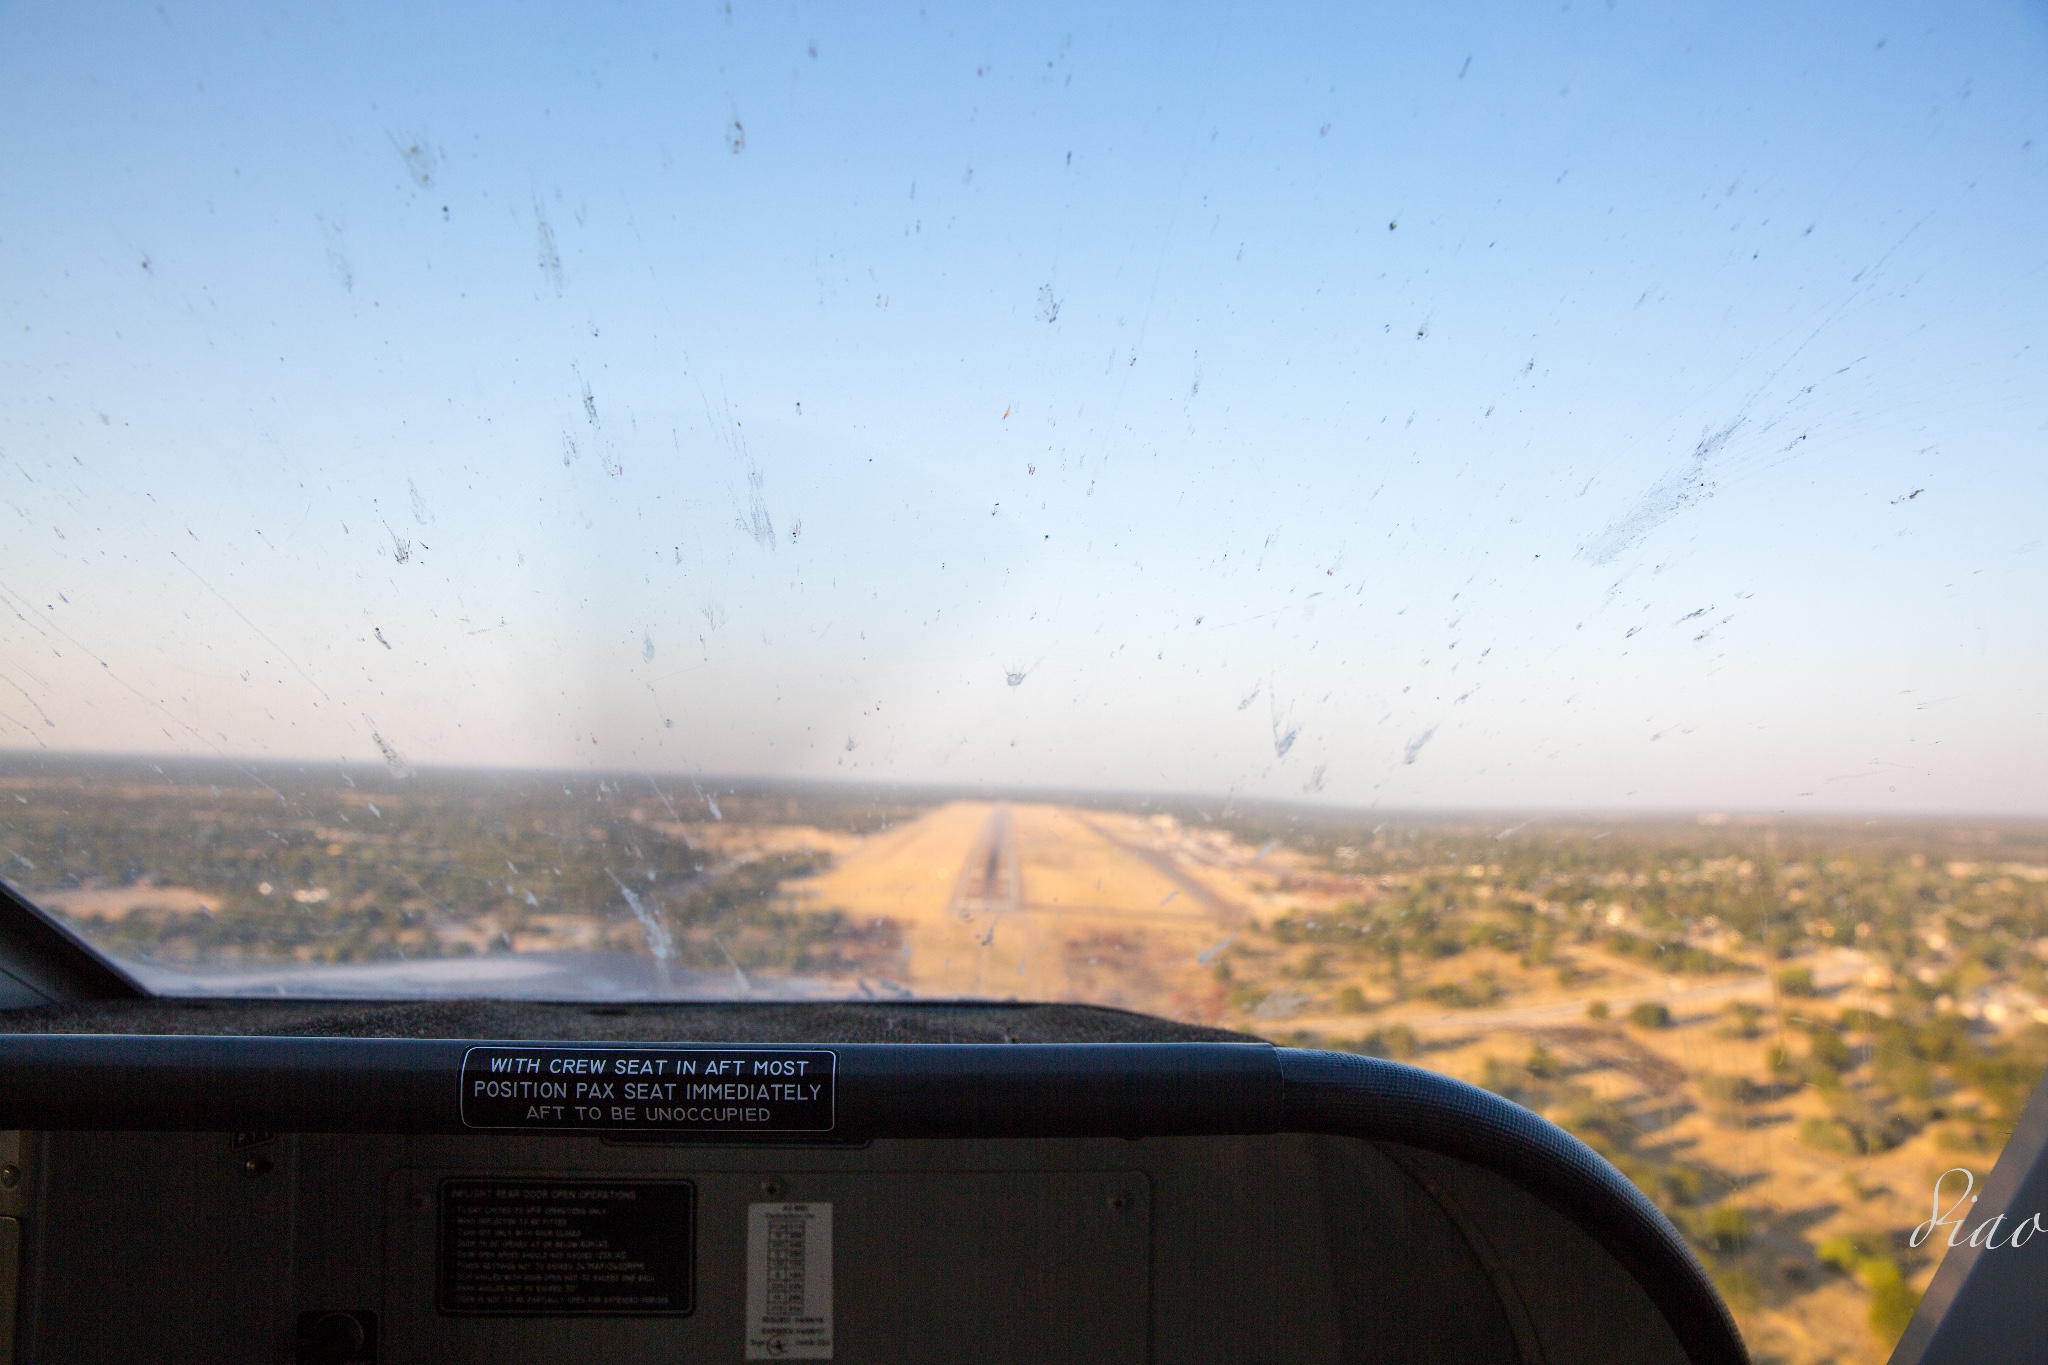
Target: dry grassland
<point>1056,903</point>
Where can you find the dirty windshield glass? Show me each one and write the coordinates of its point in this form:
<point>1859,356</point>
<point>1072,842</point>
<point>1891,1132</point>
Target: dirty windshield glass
<point>1506,539</point>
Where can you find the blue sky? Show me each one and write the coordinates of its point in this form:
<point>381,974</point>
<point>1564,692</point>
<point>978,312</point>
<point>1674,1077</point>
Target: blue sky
<point>1605,406</point>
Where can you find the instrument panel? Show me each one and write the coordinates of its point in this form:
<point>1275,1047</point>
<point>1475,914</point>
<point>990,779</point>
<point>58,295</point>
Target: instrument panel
<point>1282,1247</point>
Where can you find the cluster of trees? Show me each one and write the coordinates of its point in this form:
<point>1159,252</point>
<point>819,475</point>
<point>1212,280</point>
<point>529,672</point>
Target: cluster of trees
<point>341,865</point>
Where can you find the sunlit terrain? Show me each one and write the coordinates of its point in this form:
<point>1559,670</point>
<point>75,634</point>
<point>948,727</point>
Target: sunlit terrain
<point>1782,1031</point>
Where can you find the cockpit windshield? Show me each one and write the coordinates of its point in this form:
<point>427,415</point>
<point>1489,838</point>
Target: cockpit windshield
<point>1502,538</point>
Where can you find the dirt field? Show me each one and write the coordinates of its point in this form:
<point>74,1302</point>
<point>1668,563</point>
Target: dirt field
<point>1039,902</point>
<point>117,902</point>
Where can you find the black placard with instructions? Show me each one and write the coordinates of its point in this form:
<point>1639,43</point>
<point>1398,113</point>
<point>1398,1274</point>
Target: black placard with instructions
<point>541,1247</point>
<point>649,1089</point>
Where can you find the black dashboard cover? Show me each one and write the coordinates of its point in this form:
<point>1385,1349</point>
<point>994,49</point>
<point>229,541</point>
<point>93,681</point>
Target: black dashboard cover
<point>899,1070</point>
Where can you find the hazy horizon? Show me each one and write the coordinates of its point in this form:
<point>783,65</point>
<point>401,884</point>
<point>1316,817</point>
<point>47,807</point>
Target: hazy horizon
<point>679,786</point>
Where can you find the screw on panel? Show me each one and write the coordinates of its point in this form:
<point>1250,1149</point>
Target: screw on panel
<point>772,1187</point>
<point>1120,1201</point>
<point>10,1176</point>
<point>254,1165</point>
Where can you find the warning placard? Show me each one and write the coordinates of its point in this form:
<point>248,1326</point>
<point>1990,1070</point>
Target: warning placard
<point>649,1089</point>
